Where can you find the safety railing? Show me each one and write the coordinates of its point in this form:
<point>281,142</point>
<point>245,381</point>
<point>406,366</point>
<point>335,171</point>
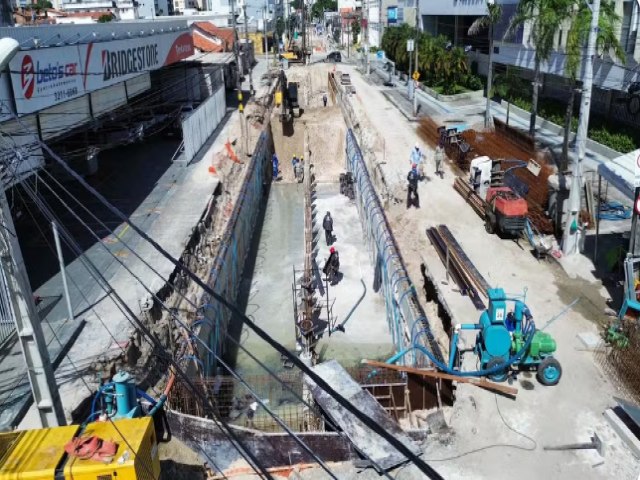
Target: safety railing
<point>403,310</point>
<point>7,323</point>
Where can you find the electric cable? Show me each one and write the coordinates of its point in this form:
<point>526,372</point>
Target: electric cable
<point>132,318</point>
<point>227,335</point>
<point>531,448</point>
<point>224,364</point>
<point>366,420</point>
<point>277,419</point>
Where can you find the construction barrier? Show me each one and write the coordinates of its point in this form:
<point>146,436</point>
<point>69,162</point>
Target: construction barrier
<point>200,124</point>
<point>405,316</point>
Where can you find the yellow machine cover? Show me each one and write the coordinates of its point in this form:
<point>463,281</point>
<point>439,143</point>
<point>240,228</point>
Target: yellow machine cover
<point>36,454</point>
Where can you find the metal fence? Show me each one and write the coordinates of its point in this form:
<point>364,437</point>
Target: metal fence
<point>235,244</point>
<point>197,127</point>
<point>7,323</point>
<point>402,307</point>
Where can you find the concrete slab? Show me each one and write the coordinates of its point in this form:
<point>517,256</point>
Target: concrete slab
<point>366,331</point>
<point>270,301</point>
<point>625,434</point>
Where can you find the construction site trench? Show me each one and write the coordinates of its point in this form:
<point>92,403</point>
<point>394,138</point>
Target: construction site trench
<point>279,249</point>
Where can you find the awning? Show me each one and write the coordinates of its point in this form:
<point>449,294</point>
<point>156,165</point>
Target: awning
<point>620,172</point>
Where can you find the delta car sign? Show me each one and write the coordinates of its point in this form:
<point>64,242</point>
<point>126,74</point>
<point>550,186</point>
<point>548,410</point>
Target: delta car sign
<point>44,77</point>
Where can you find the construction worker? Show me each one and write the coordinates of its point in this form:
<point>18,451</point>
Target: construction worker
<point>274,163</point>
<point>298,170</point>
<point>324,99</point>
<point>412,188</point>
<point>327,225</point>
<point>332,266</point>
<point>416,158</point>
<point>439,157</point>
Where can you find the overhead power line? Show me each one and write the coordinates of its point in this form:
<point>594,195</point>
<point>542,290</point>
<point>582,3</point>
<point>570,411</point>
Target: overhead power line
<point>367,421</point>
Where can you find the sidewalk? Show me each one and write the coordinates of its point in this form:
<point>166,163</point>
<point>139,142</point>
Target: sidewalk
<point>568,411</point>
<point>169,215</point>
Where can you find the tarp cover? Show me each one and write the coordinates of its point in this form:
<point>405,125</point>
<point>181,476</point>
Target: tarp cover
<point>374,446</point>
<point>620,172</point>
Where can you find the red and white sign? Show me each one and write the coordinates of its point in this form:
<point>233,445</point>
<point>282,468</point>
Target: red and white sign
<point>44,77</point>
<point>637,172</point>
<point>109,63</point>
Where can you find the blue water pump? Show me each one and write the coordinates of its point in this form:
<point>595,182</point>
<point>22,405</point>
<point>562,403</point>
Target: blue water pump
<point>508,338</point>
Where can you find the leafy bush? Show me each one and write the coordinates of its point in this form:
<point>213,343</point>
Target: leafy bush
<point>624,141</point>
<point>620,142</point>
<point>473,82</point>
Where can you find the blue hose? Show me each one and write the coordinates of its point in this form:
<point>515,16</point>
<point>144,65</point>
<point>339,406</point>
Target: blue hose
<point>529,331</point>
<point>147,397</point>
<point>98,395</point>
<point>614,211</point>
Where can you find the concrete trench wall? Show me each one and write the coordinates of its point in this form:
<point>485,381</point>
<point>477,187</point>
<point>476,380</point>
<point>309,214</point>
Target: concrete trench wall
<point>405,316</point>
<point>225,275</point>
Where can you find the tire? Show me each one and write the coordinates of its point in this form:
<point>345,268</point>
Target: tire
<point>549,372</point>
<point>500,375</point>
<point>488,225</point>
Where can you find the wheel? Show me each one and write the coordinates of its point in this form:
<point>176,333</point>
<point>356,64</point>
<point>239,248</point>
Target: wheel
<point>500,375</point>
<point>549,371</point>
<point>488,226</point>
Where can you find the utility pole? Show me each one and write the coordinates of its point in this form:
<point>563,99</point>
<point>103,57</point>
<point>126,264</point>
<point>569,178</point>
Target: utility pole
<point>367,50</point>
<point>34,348</point>
<point>572,226</point>
<point>266,38</point>
<point>246,40</point>
<point>487,111</point>
<point>415,47</point>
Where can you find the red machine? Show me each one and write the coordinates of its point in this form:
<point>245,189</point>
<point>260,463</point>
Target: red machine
<point>505,211</point>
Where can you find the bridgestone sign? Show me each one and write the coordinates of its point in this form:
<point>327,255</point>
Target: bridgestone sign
<point>44,77</point>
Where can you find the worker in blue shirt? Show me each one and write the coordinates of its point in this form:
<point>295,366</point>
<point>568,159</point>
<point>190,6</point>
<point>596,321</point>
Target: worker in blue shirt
<point>416,158</point>
<point>274,163</point>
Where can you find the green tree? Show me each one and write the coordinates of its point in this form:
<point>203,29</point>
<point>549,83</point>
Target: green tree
<point>545,18</point>
<point>493,16</point>
<point>107,17</point>
<point>507,85</point>
<point>607,40</point>
<point>355,30</point>
<point>321,6</point>
<point>279,27</point>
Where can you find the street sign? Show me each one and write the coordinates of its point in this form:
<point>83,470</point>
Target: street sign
<point>637,172</point>
<point>410,45</point>
<point>416,76</point>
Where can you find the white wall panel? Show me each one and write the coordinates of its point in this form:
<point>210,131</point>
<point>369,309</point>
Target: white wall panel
<point>107,99</point>
<point>63,117</point>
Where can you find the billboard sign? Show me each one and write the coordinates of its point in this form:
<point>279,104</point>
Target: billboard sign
<point>44,77</point>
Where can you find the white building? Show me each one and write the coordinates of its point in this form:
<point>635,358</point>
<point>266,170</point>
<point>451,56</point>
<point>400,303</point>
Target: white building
<point>452,18</point>
<point>122,9</point>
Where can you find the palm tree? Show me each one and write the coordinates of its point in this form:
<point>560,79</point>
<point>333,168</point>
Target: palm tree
<point>494,13</point>
<point>545,18</point>
<point>607,40</point>
<point>507,85</point>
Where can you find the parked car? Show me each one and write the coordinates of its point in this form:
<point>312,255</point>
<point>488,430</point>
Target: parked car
<point>335,57</point>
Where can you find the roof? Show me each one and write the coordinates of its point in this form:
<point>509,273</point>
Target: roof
<point>209,29</point>
<point>620,172</point>
<point>206,44</point>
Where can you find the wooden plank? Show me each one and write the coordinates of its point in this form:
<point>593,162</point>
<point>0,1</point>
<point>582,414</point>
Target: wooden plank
<point>432,373</point>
